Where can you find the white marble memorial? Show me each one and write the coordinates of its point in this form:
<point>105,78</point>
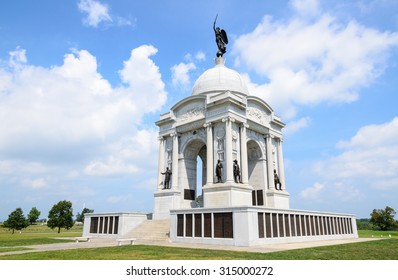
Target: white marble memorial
<point>221,122</point>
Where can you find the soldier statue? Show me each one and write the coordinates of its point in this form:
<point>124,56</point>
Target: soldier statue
<point>166,182</point>
<point>277,181</point>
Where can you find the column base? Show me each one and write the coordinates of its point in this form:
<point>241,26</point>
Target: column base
<point>277,199</point>
<point>165,200</point>
<point>227,195</point>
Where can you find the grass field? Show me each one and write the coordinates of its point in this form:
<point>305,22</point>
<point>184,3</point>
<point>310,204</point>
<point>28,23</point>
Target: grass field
<point>386,249</point>
<point>34,235</point>
<point>380,249</point>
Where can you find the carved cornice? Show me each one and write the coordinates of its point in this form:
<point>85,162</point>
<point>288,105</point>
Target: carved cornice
<point>190,126</point>
<point>258,127</point>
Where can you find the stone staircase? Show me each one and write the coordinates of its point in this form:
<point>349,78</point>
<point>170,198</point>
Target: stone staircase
<point>156,230</point>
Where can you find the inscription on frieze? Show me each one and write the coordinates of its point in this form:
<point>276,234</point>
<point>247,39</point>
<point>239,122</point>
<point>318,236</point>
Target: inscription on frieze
<point>257,115</point>
<point>191,113</point>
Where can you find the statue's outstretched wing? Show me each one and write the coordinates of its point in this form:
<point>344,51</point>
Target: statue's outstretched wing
<point>224,36</point>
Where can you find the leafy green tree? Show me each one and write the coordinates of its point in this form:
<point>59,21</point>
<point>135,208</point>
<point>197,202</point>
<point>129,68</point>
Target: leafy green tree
<point>364,224</point>
<point>383,219</point>
<point>80,217</point>
<point>16,220</point>
<point>33,215</point>
<point>61,216</point>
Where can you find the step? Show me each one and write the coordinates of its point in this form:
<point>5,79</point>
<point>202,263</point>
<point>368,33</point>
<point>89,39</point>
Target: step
<point>151,230</point>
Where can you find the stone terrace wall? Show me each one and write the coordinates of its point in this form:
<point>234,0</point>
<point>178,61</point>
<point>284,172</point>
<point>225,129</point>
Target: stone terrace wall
<point>250,226</point>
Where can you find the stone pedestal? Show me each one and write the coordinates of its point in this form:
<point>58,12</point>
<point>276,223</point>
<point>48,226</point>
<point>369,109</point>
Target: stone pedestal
<point>227,195</point>
<point>277,199</point>
<point>164,201</point>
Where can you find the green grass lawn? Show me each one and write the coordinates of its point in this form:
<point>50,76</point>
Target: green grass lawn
<point>379,249</point>
<point>377,233</point>
<point>384,249</point>
<point>35,235</point>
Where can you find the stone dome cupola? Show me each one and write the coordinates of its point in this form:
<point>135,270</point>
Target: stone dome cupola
<point>219,79</point>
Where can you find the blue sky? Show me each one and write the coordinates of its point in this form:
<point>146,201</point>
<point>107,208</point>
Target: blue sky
<point>83,81</point>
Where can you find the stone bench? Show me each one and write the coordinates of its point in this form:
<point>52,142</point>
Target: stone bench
<point>87,239</point>
<point>121,240</point>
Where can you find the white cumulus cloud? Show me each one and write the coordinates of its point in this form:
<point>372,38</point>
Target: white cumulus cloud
<point>306,7</point>
<point>369,158</point>
<point>308,62</point>
<point>95,11</point>
<point>180,73</point>
<point>312,192</point>
<point>129,155</point>
<point>70,113</point>
<point>296,125</point>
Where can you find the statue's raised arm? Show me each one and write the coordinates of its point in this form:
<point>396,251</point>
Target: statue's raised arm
<point>221,39</point>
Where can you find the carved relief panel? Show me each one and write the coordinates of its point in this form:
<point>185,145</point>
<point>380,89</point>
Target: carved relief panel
<point>169,151</point>
<point>219,138</point>
<point>235,142</point>
<point>257,114</point>
<point>191,112</point>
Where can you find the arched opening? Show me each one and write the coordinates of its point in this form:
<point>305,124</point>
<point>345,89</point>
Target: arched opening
<point>195,173</point>
<point>200,176</point>
<point>254,156</point>
<point>256,171</point>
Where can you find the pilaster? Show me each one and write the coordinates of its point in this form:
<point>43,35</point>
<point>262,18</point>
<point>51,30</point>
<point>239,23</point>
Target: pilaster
<point>281,167</point>
<point>228,149</point>
<point>175,161</point>
<point>243,149</point>
<point>270,167</point>
<point>209,155</point>
<point>161,162</point>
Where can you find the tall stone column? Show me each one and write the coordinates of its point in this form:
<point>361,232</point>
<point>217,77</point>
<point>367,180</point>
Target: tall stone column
<point>228,149</point>
<point>160,162</point>
<point>270,167</point>
<point>281,166</point>
<point>243,149</point>
<point>209,155</point>
<point>175,161</point>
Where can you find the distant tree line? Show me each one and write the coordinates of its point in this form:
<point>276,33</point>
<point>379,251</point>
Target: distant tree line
<point>60,216</point>
<point>380,219</point>
<point>364,224</point>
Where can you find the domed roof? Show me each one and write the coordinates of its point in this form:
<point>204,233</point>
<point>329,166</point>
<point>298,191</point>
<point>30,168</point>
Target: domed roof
<point>219,78</point>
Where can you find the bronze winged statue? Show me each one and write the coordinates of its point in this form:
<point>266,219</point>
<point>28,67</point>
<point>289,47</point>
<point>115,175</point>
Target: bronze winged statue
<point>221,39</point>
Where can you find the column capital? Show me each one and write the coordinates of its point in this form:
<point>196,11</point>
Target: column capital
<point>160,138</point>
<point>244,125</point>
<point>209,124</point>
<point>230,119</point>
<point>269,136</point>
<point>174,134</point>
